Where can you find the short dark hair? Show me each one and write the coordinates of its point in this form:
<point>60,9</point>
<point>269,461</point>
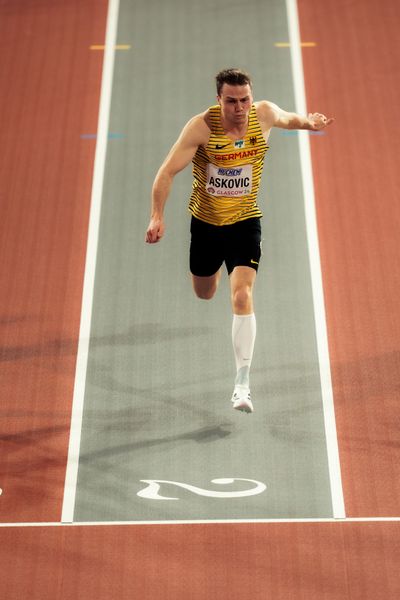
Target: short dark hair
<point>232,77</point>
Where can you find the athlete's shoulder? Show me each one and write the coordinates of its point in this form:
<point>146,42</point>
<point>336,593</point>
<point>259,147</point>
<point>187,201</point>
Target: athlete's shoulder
<point>212,117</point>
<point>198,128</point>
<point>267,113</point>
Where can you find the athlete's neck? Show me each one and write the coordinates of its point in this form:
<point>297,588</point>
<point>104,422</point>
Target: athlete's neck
<point>233,129</point>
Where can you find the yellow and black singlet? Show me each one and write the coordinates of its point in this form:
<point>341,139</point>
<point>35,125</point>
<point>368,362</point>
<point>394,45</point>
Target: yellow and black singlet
<point>227,173</point>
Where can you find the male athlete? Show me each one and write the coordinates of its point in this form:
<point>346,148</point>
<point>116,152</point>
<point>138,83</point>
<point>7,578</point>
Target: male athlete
<point>227,144</point>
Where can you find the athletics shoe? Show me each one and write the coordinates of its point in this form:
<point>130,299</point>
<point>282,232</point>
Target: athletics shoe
<point>241,399</point>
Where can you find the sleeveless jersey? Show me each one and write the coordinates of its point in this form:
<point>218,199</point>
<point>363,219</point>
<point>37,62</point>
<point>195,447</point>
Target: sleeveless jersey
<point>227,173</point>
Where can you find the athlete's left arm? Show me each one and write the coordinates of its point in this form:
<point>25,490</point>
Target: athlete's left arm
<point>273,116</point>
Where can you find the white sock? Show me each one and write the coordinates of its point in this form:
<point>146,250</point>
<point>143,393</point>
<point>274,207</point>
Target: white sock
<point>243,338</point>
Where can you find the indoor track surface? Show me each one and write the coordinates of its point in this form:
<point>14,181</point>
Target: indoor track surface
<point>124,471</point>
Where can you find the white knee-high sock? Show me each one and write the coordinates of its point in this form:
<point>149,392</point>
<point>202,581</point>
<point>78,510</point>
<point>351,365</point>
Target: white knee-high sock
<point>243,338</point>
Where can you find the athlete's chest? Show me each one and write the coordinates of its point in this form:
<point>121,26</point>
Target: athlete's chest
<point>250,148</point>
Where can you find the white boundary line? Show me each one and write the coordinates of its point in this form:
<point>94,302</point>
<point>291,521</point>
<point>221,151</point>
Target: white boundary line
<point>205,522</point>
<point>90,265</point>
<point>315,267</point>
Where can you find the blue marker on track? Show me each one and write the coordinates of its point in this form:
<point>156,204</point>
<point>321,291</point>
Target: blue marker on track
<point>93,136</point>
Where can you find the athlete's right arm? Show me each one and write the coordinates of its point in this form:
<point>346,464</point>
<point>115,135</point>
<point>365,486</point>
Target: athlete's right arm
<point>195,133</point>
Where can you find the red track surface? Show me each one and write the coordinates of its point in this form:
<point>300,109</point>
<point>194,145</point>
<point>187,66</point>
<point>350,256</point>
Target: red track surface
<point>293,561</point>
<point>353,74</point>
<point>50,84</point>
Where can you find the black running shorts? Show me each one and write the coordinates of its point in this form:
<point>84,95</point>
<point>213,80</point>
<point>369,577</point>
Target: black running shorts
<point>236,245</point>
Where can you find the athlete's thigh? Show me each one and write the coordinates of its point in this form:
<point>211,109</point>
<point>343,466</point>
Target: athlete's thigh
<point>206,250</point>
<point>242,277</point>
<point>243,248</point>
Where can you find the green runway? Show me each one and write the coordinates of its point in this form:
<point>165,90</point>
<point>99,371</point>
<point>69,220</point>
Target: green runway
<point>161,367</point>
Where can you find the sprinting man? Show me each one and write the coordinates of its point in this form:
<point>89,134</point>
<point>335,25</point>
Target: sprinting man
<point>227,144</point>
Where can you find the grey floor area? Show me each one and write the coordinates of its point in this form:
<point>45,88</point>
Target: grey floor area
<point>161,366</point>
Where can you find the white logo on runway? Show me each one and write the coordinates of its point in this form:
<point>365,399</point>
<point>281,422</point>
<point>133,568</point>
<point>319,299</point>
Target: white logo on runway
<point>152,489</point>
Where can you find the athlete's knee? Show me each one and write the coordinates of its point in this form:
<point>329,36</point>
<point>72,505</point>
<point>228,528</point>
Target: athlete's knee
<point>242,298</point>
<point>205,293</point>
<point>205,287</point>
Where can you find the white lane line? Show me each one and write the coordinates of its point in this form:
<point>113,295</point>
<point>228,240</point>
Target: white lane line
<point>205,522</point>
<point>90,265</point>
<point>315,267</point>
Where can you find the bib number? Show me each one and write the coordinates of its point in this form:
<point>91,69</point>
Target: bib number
<point>230,182</point>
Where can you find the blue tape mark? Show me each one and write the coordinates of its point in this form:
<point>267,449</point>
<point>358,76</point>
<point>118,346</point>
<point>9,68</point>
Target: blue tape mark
<point>295,132</point>
<point>93,136</point>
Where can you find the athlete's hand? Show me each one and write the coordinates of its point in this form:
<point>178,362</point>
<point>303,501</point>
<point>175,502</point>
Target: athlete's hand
<point>318,121</point>
<point>155,231</point>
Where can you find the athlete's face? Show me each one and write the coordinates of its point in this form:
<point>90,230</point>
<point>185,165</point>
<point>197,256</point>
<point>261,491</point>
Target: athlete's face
<point>235,102</point>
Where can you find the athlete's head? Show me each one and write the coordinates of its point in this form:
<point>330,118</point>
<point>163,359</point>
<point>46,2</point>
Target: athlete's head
<point>231,77</point>
<point>234,94</point>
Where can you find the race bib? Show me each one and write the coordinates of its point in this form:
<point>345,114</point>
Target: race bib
<point>229,181</point>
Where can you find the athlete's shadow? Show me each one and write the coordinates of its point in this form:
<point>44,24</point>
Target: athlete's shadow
<point>201,436</point>
<point>149,333</point>
<point>136,335</point>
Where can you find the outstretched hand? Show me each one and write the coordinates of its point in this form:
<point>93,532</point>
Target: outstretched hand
<point>318,121</point>
<point>155,231</point>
